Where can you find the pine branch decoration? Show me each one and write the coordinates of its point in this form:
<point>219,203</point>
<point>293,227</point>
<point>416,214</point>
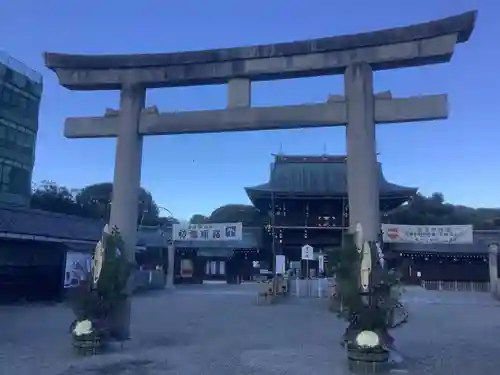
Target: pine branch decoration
<point>384,290</point>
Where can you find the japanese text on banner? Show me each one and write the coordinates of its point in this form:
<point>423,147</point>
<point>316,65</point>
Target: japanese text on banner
<point>427,233</point>
<point>207,232</point>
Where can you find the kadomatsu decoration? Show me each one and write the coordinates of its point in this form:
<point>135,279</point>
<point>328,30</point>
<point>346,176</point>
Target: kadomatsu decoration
<point>96,300</point>
<point>367,296</point>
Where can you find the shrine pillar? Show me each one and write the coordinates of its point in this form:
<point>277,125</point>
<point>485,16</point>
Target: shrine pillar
<point>171,265</point>
<point>362,167</point>
<point>493,268</point>
<point>126,183</point>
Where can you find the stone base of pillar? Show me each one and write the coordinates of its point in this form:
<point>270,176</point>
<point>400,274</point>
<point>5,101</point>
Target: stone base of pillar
<point>170,287</point>
<point>388,361</point>
<point>120,321</point>
<point>495,289</point>
<point>368,362</point>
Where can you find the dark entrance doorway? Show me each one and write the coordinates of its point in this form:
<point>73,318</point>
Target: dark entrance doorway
<point>31,271</point>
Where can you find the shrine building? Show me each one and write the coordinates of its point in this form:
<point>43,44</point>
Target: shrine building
<point>305,202</point>
<point>444,262</point>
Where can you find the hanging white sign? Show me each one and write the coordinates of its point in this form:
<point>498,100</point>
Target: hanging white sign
<point>280,265</point>
<point>208,232</point>
<point>321,263</point>
<point>307,252</point>
<point>437,234</point>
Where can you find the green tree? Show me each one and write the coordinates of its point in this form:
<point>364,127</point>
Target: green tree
<point>434,210</point>
<point>198,219</point>
<point>49,196</point>
<point>231,213</point>
<point>421,210</point>
<point>96,199</point>
<point>167,221</point>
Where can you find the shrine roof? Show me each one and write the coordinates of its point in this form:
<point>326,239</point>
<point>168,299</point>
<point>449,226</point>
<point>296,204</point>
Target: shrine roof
<point>481,241</point>
<point>37,225</point>
<point>317,176</point>
<point>21,222</point>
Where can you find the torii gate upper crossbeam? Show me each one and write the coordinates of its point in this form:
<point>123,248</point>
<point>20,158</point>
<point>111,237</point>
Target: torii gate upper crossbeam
<point>415,45</point>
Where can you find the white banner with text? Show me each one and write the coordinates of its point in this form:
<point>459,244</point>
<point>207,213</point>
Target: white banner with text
<point>208,232</point>
<point>440,234</point>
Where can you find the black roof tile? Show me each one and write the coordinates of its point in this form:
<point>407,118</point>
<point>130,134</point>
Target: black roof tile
<point>30,222</point>
<point>317,175</point>
<point>24,221</point>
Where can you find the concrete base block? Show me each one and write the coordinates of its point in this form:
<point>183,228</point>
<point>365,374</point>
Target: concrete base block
<point>362,367</point>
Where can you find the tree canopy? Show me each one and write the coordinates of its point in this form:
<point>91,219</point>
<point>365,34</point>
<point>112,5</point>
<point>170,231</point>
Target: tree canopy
<point>199,219</point>
<point>97,199</point>
<point>49,196</point>
<point>230,213</point>
<point>421,210</point>
<point>434,210</point>
<point>93,201</point>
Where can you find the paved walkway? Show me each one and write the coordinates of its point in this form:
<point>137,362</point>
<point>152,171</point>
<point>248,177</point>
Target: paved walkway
<point>217,330</point>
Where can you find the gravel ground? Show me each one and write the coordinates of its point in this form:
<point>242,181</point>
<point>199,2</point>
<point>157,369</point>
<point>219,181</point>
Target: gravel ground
<point>217,329</point>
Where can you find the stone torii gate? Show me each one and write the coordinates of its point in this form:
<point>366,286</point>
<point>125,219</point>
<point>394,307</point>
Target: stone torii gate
<point>355,56</point>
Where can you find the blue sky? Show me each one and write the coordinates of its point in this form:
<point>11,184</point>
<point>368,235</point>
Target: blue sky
<point>197,173</point>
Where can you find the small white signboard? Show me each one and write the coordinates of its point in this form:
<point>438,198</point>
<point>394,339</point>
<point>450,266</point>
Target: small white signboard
<point>307,252</point>
<point>208,232</point>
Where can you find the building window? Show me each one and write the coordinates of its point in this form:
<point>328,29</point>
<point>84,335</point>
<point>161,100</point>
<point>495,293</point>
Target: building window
<point>23,103</point>
<point>16,138</point>
<point>6,95</point>
<point>32,108</point>
<point>19,103</point>
<point>11,136</point>
<point>13,179</point>
<point>16,98</point>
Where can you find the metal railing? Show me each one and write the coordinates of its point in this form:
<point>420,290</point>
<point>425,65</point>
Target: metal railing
<point>456,286</point>
<point>310,288</point>
<point>323,288</point>
<point>20,67</point>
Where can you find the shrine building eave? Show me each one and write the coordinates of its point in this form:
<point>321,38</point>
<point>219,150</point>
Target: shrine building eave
<point>399,195</point>
<point>414,45</point>
<point>318,177</point>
